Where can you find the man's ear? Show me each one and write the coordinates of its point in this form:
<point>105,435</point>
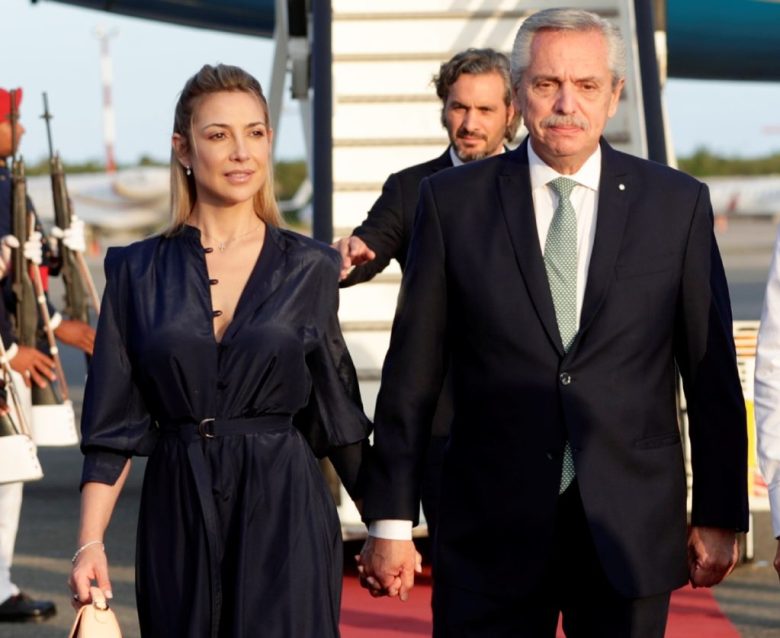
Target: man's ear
<point>614,99</point>
<point>518,98</point>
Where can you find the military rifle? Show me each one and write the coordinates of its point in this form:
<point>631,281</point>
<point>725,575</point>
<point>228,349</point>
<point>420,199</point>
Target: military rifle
<point>26,315</point>
<point>26,283</point>
<point>79,286</point>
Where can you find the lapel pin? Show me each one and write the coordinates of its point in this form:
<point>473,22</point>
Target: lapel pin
<point>622,187</point>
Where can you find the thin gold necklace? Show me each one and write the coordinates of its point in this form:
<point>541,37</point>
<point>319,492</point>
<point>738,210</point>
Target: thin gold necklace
<point>221,245</point>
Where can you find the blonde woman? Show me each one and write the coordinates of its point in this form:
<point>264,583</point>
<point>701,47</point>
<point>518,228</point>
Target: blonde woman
<point>219,355</point>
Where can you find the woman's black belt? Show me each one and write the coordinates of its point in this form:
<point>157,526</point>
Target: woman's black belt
<point>212,427</point>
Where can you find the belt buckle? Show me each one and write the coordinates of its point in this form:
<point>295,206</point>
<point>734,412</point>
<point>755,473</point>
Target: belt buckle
<point>202,428</point>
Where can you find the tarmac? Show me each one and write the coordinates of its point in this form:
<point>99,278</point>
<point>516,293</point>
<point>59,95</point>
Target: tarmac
<point>750,596</point>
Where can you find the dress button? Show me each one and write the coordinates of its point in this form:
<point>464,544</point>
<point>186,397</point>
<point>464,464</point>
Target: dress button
<point>208,249</point>
<point>217,313</point>
<point>565,378</point>
<point>213,282</point>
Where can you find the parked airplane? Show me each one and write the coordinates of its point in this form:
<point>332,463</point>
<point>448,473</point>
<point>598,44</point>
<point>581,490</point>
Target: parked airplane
<point>745,195</point>
<point>130,200</point>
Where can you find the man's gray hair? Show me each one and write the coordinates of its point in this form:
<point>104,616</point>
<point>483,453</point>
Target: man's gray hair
<point>567,20</point>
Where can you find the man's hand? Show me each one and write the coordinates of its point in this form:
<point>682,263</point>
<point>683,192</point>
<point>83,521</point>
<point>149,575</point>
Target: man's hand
<point>77,334</point>
<point>34,366</point>
<point>712,554</point>
<point>354,252</point>
<point>777,559</point>
<point>387,567</point>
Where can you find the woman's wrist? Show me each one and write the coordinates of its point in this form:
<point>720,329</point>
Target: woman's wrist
<point>85,546</point>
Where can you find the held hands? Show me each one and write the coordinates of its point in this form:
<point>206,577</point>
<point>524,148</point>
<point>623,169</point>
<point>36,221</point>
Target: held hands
<point>354,252</point>
<point>712,555</point>
<point>387,567</point>
<point>89,565</point>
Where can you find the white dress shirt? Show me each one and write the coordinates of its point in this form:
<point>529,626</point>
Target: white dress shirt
<point>584,198</point>
<point>767,388</point>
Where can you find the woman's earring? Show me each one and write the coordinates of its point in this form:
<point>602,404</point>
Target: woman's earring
<point>188,170</point>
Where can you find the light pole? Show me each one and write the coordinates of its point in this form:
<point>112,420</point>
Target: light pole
<point>106,77</point>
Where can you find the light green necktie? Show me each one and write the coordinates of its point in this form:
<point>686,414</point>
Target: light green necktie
<point>560,262</point>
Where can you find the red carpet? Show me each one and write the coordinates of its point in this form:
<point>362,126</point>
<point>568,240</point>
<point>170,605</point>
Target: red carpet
<point>694,614</point>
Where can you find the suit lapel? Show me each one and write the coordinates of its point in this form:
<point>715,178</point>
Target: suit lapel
<point>514,187</point>
<point>614,190</point>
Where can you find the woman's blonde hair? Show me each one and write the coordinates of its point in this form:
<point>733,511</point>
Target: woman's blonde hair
<point>214,79</point>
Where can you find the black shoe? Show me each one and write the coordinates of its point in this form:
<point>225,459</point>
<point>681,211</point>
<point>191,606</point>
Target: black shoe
<point>22,608</point>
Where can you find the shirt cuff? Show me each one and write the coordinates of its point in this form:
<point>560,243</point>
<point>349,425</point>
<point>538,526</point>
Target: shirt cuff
<point>391,529</point>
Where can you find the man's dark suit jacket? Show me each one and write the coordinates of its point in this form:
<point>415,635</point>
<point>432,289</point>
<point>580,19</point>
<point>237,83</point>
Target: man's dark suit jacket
<point>475,293</point>
<point>388,228</point>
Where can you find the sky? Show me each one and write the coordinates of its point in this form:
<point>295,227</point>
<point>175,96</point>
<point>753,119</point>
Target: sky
<point>52,47</point>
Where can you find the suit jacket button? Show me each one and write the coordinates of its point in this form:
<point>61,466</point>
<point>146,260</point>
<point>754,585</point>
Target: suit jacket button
<point>565,378</point>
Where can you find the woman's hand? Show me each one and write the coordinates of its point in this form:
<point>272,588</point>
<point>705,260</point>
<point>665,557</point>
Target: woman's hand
<point>90,565</point>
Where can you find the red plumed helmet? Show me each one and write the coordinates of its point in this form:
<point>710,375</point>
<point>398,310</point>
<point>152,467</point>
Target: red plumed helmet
<point>5,102</point>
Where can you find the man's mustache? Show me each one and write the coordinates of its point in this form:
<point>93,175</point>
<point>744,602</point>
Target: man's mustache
<point>462,132</point>
<point>565,120</point>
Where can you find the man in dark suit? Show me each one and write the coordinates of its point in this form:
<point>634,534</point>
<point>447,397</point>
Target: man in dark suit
<point>478,114</point>
<point>563,282</point>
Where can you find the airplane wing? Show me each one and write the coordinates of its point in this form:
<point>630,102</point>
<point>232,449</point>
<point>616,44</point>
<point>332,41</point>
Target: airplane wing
<point>713,39</point>
<point>249,17</point>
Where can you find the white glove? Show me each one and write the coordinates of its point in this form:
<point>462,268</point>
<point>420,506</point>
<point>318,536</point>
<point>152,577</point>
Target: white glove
<point>73,236</point>
<point>6,244</point>
<point>33,250</point>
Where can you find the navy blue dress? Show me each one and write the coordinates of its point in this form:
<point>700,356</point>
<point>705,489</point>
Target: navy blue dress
<point>238,534</point>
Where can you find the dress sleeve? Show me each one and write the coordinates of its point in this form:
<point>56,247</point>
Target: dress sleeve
<point>333,417</point>
<point>115,423</point>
